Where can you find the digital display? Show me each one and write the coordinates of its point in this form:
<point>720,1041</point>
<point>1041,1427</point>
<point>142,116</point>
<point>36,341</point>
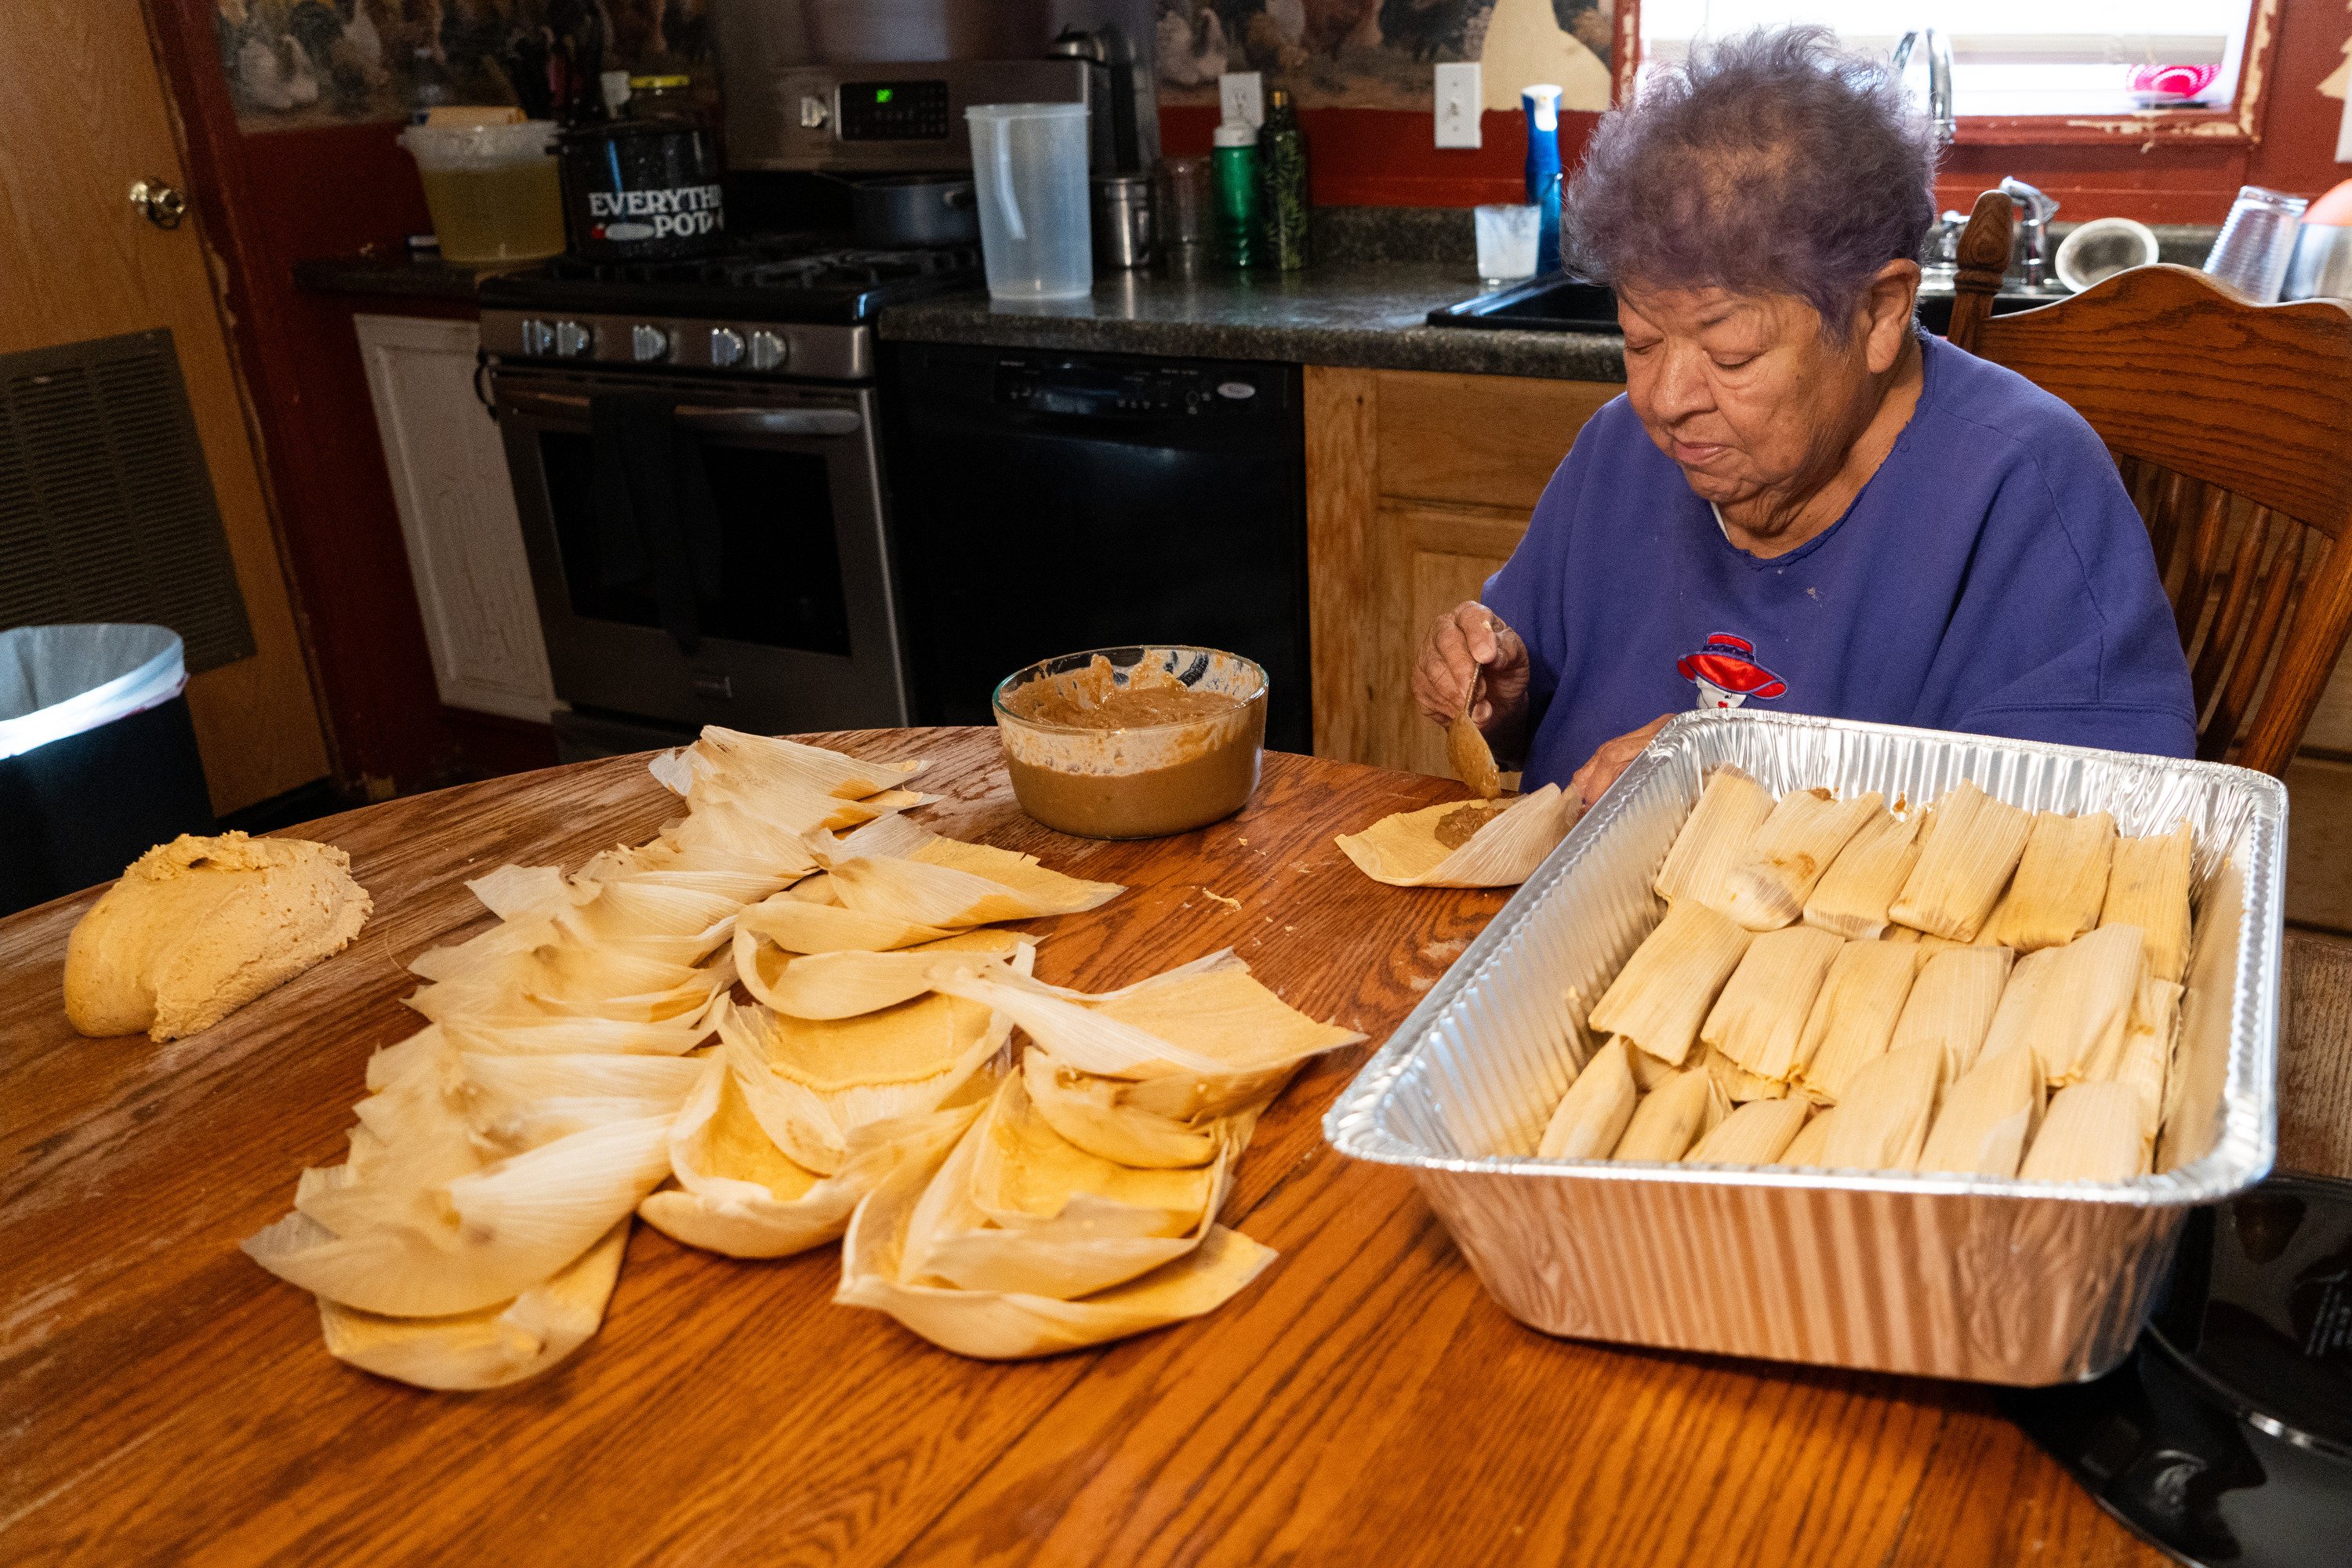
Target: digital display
<point>894,110</point>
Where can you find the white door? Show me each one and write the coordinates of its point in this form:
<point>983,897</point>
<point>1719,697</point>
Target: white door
<point>458,516</point>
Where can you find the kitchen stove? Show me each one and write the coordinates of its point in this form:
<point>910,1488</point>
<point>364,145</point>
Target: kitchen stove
<point>694,449</point>
<point>798,305</point>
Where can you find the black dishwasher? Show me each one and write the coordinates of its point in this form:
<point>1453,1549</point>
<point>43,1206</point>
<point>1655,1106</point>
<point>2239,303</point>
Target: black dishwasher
<point>1044,502</point>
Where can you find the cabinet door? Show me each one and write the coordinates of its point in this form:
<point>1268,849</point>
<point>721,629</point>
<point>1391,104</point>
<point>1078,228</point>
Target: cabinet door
<point>457,516</point>
<point>1418,488</point>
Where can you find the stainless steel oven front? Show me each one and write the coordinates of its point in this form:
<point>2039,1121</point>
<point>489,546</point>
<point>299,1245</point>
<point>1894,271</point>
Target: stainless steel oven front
<point>795,628</point>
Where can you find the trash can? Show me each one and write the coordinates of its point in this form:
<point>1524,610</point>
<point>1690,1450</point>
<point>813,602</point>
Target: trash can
<point>97,757</point>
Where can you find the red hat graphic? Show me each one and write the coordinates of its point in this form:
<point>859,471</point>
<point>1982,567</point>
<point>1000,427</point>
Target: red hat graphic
<point>1727,673</point>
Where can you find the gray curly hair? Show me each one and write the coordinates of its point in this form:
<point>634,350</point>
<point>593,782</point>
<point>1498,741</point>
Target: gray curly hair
<point>1771,162</point>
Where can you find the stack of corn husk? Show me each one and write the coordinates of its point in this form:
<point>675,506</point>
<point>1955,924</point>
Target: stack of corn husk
<point>472,1235</point>
<point>1081,1204</point>
<point>1973,988</point>
<point>568,1075</point>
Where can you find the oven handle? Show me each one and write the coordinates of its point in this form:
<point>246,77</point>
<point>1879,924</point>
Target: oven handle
<point>699,416</point>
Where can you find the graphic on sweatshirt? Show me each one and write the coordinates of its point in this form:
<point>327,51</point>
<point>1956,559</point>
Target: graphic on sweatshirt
<point>1727,674</point>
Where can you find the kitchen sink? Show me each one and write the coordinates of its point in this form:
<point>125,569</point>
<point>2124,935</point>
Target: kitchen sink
<point>1563,303</point>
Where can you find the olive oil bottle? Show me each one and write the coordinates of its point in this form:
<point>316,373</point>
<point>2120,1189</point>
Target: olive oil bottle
<point>1282,168</point>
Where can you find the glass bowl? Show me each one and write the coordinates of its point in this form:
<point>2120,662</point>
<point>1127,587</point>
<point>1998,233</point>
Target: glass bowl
<point>1176,764</point>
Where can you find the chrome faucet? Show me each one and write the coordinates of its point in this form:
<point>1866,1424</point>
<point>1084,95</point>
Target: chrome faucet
<point>2034,223</point>
<point>1939,80</point>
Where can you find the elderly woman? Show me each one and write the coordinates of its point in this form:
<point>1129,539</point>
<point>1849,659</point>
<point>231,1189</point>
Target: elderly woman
<point>1801,503</point>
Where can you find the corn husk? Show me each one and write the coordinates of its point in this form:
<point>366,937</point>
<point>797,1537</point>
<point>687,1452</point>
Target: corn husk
<point>2085,1003</point>
<point>757,764</point>
<point>2061,881</point>
<point>501,1230</point>
<point>1673,1117</point>
<point>1107,1116</point>
<point>1853,1020</point>
<point>535,1034</point>
<point>1729,811</point>
<point>1968,848</point>
<point>1591,1117</point>
<point>1402,849</point>
<point>1650,1071</point>
<point>2144,1057</point>
<point>1738,1085</point>
<point>1010,1325</point>
<point>1209,1021</point>
<point>2094,1133</point>
<point>1755,1134</point>
<point>1018,1208</point>
<point>742,1196</point>
<point>845,985</point>
<point>1660,997</point>
<point>1760,1020</point>
<point>1805,1148</point>
<point>1768,885</point>
<point>1952,1003</point>
<point>1885,1111</point>
<point>1852,896</point>
<point>798,925</point>
<point>949,885</point>
<point>1988,1118</point>
<point>2149,888</point>
<point>826,1078</point>
<point>490,1348</point>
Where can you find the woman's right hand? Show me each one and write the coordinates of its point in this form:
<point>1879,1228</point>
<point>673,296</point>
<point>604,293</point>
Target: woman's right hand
<point>1470,639</point>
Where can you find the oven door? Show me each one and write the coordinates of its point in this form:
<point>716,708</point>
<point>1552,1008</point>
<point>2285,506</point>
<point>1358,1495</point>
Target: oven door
<point>802,634</point>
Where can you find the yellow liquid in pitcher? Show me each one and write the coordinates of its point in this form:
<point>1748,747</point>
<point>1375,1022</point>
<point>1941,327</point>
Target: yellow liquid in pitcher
<point>513,213</point>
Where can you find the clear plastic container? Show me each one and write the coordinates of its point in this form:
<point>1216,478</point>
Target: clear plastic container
<point>492,189</point>
<point>1029,167</point>
<point>2256,242</point>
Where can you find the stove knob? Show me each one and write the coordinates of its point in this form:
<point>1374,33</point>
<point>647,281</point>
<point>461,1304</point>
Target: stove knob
<point>536,338</point>
<point>726,346</point>
<point>573,339</point>
<point>648,343</point>
<point>769,349</point>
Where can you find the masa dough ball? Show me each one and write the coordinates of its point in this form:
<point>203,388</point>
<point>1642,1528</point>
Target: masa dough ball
<point>199,927</point>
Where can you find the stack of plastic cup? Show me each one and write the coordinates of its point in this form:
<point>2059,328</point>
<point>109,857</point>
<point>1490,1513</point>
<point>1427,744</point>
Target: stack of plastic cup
<point>2257,242</point>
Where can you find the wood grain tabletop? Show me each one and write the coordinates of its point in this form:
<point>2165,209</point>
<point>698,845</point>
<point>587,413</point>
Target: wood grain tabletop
<point>164,1399</point>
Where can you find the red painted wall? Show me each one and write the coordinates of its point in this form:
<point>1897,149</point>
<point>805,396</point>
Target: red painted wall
<point>265,202</point>
<point>1385,157</point>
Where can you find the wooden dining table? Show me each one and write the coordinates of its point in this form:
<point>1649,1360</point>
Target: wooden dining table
<point>163,1399</point>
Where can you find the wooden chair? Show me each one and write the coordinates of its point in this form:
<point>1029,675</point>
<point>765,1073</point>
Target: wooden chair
<point>2213,406</point>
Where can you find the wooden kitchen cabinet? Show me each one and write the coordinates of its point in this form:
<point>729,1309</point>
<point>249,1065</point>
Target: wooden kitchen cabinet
<point>457,516</point>
<point>1418,488</point>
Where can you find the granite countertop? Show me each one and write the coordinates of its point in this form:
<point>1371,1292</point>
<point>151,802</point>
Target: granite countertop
<point>420,276</point>
<point>1362,314</point>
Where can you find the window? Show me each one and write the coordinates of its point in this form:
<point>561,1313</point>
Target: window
<point>2014,60</point>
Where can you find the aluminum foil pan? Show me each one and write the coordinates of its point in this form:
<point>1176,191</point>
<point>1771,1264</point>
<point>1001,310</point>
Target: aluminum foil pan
<point>1940,1275</point>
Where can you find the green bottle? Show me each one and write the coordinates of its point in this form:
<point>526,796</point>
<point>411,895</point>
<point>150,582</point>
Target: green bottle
<point>1240,242</point>
<point>1282,171</point>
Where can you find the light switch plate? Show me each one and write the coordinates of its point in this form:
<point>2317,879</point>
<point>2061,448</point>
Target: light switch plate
<point>1241,95</point>
<point>1458,103</point>
<point>2344,133</point>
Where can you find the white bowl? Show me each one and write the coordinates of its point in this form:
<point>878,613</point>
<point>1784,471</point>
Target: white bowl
<point>2103,248</point>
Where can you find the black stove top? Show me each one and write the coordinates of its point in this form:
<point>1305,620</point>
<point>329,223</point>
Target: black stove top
<point>776,277</point>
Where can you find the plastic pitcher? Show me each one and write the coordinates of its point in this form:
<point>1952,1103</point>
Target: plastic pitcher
<point>492,189</point>
<point>1029,165</point>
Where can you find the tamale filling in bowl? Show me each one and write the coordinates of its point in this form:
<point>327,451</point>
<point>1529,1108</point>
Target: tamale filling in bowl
<point>1133,742</point>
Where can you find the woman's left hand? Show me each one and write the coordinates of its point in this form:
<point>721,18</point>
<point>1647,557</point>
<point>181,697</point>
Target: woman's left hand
<point>1614,758</point>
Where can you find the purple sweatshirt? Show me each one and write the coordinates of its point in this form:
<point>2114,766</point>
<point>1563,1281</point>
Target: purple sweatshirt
<point>1992,576</point>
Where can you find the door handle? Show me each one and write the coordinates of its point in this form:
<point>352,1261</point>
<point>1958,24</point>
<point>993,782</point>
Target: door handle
<point>704,418</point>
<point>163,206</point>
<point>770,421</point>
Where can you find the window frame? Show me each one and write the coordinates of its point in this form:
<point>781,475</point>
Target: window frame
<point>2238,126</point>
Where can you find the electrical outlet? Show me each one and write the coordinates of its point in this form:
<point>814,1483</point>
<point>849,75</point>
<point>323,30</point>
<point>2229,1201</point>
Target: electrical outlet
<point>1241,96</point>
<point>1458,104</point>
